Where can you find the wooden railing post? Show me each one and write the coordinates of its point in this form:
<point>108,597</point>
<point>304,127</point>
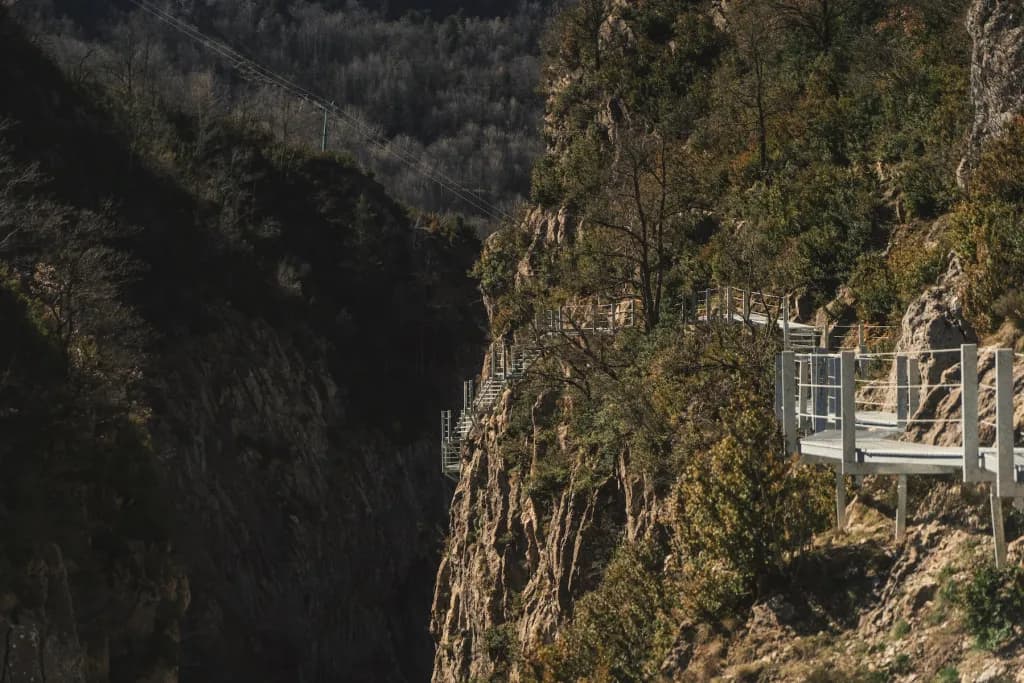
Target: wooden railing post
<point>728,304</point>
<point>969,411</point>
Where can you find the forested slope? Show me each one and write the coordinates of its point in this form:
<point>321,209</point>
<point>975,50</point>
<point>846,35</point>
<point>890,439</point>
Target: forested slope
<point>457,91</point>
<point>627,512</point>
<point>216,352</point>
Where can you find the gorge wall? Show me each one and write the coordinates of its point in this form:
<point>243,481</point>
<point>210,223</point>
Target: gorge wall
<point>216,354</point>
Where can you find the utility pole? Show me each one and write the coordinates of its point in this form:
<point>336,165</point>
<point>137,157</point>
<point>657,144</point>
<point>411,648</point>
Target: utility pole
<point>323,140</point>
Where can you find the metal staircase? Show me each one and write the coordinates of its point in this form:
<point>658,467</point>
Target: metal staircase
<point>509,363</point>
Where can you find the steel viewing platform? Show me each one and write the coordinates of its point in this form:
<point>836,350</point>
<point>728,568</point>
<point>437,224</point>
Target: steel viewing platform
<point>818,397</point>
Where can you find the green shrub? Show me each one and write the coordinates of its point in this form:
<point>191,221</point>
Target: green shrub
<point>620,631</point>
<point>743,508</point>
<point>500,642</point>
<point>874,288</point>
<point>992,602</point>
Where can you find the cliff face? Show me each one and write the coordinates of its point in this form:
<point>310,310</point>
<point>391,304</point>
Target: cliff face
<point>515,561</point>
<point>997,80</point>
<point>525,557</point>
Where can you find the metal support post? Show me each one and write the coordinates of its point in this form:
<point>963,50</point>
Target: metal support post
<point>840,501</point>
<point>786,343</point>
<point>778,387</point>
<point>901,507</point>
<point>824,336</point>
<point>998,533</point>
<point>746,304</point>
<point>728,304</point>
<point>789,402</point>
<point>902,396</point>
<point>913,386</point>
<point>819,380</point>
<point>1006,481</point>
<point>848,406</point>
<point>805,393</point>
<point>861,347</point>
<point>969,411</point>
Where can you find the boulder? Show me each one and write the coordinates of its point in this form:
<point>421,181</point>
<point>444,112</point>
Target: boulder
<point>935,320</point>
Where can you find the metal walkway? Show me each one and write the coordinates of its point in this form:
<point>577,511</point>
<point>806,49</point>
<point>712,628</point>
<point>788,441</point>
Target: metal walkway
<point>509,362</point>
<point>819,399</point>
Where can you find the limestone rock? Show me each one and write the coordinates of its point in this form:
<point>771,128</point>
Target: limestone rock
<point>996,28</point>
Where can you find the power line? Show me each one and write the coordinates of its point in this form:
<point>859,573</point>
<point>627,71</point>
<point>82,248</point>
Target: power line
<point>251,70</point>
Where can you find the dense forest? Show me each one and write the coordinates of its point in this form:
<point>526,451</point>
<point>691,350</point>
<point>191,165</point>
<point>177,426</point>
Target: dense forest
<point>457,91</point>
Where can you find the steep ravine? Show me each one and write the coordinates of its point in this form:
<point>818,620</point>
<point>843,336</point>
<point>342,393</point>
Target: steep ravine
<point>236,479</point>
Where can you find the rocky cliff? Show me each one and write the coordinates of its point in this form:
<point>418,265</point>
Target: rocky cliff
<point>539,580</point>
<point>997,84</point>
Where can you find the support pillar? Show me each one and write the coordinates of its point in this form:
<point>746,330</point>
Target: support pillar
<point>805,392</point>
<point>848,407</point>
<point>778,387</point>
<point>746,305</point>
<point>840,501</point>
<point>861,346</point>
<point>1006,479</point>
<point>998,534</point>
<point>969,411</point>
<point>913,386</point>
<point>901,507</point>
<point>728,304</point>
<point>819,378</point>
<point>786,343</point>
<point>902,395</point>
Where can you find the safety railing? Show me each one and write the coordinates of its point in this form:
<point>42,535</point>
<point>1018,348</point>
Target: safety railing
<point>825,394</point>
